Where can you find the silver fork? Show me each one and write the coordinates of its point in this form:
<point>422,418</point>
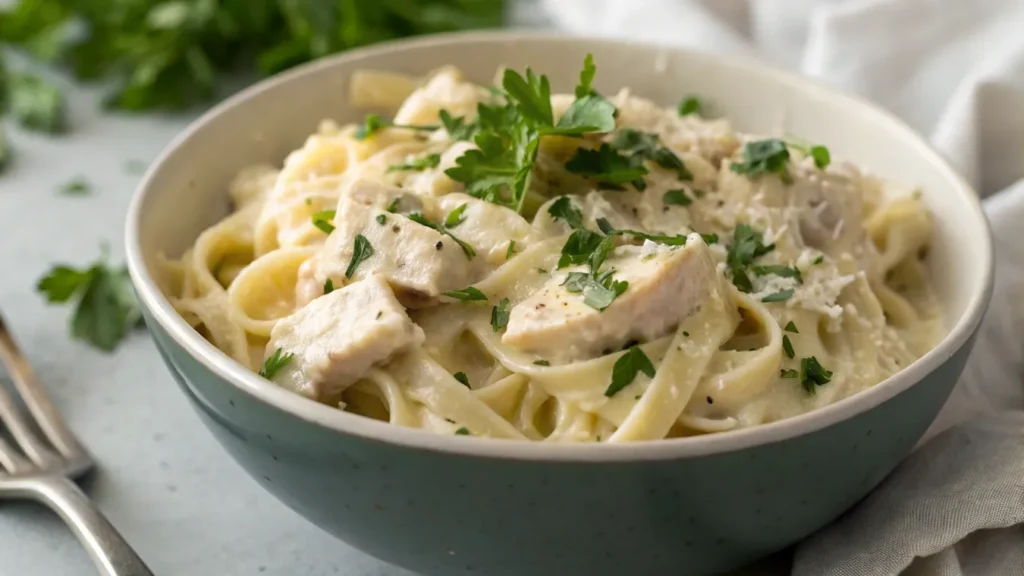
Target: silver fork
<point>44,472</point>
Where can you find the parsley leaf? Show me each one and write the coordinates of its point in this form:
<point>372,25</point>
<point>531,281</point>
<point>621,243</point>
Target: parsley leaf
<point>586,77</point>
<point>764,157</point>
<point>646,146</point>
<point>417,165</point>
<point>597,293</point>
<point>791,327</point>
<point>591,113</point>
<point>467,294</point>
<point>818,260</point>
<point>106,308</point>
<point>323,219</point>
<point>455,217</point>
<point>564,209</point>
<point>626,368</point>
<point>607,228</point>
<point>532,95</point>
<point>511,249</point>
<point>36,104</point>
<point>781,271</point>
<point>577,249</point>
<point>788,373</point>
<point>361,250</point>
<point>328,286</point>
<point>462,431</point>
<point>676,197</point>
<point>780,296</point>
<point>457,127</point>
<point>462,378</point>
<point>608,166</point>
<point>542,363</point>
<point>747,244</point>
<point>76,187</point>
<point>500,315</point>
<point>273,364</point>
<point>820,154</point>
<point>690,105</point>
<point>813,374</point>
<point>419,218</point>
<point>393,206</point>
<point>373,124</point>
<point>710,239</point>
<point>381,219</point>
<point>5,148</point>
<point>787,346</point>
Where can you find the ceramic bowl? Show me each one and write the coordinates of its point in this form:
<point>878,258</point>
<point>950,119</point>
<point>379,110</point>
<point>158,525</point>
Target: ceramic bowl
<point>444,505</point>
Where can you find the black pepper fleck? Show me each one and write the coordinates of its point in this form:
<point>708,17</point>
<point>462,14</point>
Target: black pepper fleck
<point>379,314</point>
<point>439,245</point>
<point>395,229</point>
<point>711,400</point>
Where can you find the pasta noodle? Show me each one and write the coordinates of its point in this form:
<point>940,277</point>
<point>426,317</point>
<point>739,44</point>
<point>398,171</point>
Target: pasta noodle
<point>666,277</point>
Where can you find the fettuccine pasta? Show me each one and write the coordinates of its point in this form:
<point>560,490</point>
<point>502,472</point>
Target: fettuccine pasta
<point>503,262</point>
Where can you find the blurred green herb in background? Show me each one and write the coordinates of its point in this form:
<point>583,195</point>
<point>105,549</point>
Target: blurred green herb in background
<point>174,54</point>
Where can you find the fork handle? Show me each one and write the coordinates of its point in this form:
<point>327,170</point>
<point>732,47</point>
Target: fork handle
<point>108,549</point>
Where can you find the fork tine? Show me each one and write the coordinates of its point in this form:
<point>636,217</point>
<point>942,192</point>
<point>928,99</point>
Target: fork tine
<point>11,460</point>
<point>39,405</point>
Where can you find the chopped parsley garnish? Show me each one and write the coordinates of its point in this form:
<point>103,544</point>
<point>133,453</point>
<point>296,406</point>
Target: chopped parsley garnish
<point>788,373</point>
<point>361,250</point>
<point>579,246</point>
<point>323,219</point>
<point>328,286</point>
<point>764,157</point>
<point>709,239</point>
<point>564,209</point>
<point>422,220</point>
<point>610,168</point>
<point>646,146</point>
<point>676,197</point>
<point>106,307</point>
<point>626,369</point>
<point>699,193</point>
<point>461,377</point>
<point>820,154</point>
<point>373,124</point>
<point>418,165</point>
<point>500,168</point>
<point>542,270</point>
<point>813,374</point>
<point>511,249</point>
<point>457,127</point>
<point>787,346</point>
<point>690,105</point>
<point>599,292</point>
<point>381,219</point>
<point>463,431</point>
<point>747,244</point>
<point>467,294</point>
<point>818,260</point>
<point>542,363</point>
<point>780,271</point>
<point>791,327</point>
<point>273,364</point>
<point>393,205</point>
<point>455,217</point>
<point>607,228</point>
<point>76,187</point>
<point>780,296</point>
<point>500,314</point>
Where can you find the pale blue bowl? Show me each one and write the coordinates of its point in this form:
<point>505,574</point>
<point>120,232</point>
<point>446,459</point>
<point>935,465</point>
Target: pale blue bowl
<point>444,505</point>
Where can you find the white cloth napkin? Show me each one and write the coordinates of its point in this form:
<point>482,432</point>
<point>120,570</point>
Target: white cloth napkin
<point>953,69</point>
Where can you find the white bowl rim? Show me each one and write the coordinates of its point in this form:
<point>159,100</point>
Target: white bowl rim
<point>301,407</point>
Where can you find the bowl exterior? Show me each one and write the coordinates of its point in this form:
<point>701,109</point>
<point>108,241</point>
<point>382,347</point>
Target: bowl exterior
<point>441,513</point>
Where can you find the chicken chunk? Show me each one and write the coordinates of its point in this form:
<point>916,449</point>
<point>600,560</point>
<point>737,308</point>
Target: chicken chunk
<point>488,228</point>
<point>336,338</point>
<point>418,261</point>
<point>666,284</point>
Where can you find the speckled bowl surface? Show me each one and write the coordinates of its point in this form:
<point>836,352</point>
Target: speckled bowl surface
<point>444,505</point>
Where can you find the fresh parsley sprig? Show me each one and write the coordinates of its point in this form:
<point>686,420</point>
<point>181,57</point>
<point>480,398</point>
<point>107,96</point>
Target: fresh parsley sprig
<point>509,135</point>
<point>813,374</point>
<point>105,304</point>
<point>747,244</point>
<point>361,250</point>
